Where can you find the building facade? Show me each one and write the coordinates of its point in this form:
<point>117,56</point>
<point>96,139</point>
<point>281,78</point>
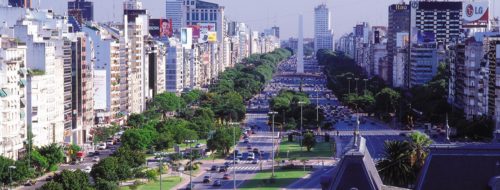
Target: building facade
<point>323,35</point>
<point>399,22</point>
<point>82,10</point>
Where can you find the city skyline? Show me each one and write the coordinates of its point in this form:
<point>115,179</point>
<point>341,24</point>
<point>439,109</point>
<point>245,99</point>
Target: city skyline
<point>244,11</point>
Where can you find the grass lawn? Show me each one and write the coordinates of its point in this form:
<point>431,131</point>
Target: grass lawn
<point>322,149</point>
<point>283,179</point>
<point>167,183</point>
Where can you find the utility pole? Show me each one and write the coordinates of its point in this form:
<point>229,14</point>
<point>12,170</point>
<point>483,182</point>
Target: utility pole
<point>272,113</point>
<point>234,124</point>
<point>349,84</point>
<point>301,123</point>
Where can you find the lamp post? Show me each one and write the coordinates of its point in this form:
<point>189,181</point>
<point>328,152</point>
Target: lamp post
<point>356,79</point>
<point>301,123</point>
<point>234,124</point>
<point>10,175</point>
<point>349,84</point>
<point>272,113</point>
<point>190,162</point>
<point>317,108</point>
<point>365,85</point>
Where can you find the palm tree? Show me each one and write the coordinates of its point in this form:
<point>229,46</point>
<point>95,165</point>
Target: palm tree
<point>395,168</point>
<point>419,149</point>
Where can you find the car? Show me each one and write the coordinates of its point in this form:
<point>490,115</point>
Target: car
<point>227,164</point>
<point>95,159</point>
<point>236,161</point>
<point>217,183</point>
<point>249,147</point>
<point>256,151</point>
<point>30,183</point>
<point>251,156</point>
<point>255,161</point>
<point>87,169</point>
<point>206,179</point>
<point>222,169</point>
<point>246,140</point>
<point>101,146</point>
<point>198,145</point>
<point>109,143</point>
<point>239,155</point>
<point>214,168</point>
<point>226,176</point>
<point>96,153</point>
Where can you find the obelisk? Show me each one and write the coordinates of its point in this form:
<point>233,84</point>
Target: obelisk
<point>300,48</point>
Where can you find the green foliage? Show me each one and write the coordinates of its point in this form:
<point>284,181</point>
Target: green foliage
<point>395,169</point>
<point>222,140</point>
<point>309,141</point>
<point>101,134</point>
<point>192,96</point>
<point>151,175</point>
<point>111,169</point>
<point>130,157</point>
<point>106,185</point>
<point>73,150</point>
<point>73,180</point>
<point>287,105</point>
<point>39,161</point>
<point>136,120</point>
<point>138,139</point>
<point>387,100</point>
<point>54,154</point>
<point>52,185</point>
<point>167,102</point>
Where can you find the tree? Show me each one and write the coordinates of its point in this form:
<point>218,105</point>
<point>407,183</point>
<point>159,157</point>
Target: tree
<point>136,120</point>
<point>73,149</point>
<point>192,96</point>
<point>4,169</point>
<point>222,139</point>
<point>309,141</point>
<point>138,139</point>
<point>419,148</point>
<point>73,180</point>
<point>52,185</point>
<point>54,154</point>
<point>395,168</point>
<point>167,102</point>
<point>387,100</point>
<point>132,158</point>
<point>151,175</point>
<point>111,169</point>
<point>106,185</point>
<point>39,161</point>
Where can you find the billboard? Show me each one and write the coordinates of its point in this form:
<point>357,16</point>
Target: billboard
<point>186,37</point>
<point>196,31</point>
<point>160,28</point>
<point>212,37</point>
<point>205,28</point>
<point>475,14</point>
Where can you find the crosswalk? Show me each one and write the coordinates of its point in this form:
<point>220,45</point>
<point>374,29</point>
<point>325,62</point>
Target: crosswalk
<point>244,168</point>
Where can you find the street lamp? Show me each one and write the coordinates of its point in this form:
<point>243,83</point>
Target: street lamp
<point>349,84</point>
<point>365,84</point>
<point>190,162</point>
<point>356,79</point>
<point>272,113</point>
<point>234,124</point>
<point>162,155</point>
<point>10,175</point>
<point>317,108</point>
<point>301,104</point>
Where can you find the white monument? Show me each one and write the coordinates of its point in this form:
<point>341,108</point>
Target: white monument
<point>300,48</point>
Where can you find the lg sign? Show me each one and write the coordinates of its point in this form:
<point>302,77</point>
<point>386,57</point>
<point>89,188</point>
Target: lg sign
<point>471,10</point>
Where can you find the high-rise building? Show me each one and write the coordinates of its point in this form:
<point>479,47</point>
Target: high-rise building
<point>156,60</point>
<point>399,21</point>
<point>441,18</point>
<point>136,22</point>
<point>276,31</point>
<point>13,77</point>
<point>323,36</point>
<point>21,3</point>
<point>174,13</point>
<point>82,10</point>
<point>174,67</point>
<point>423,63</point>
<point>492,48</point>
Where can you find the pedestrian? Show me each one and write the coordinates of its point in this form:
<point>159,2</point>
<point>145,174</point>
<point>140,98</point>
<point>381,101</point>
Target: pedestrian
<point>338,133</point>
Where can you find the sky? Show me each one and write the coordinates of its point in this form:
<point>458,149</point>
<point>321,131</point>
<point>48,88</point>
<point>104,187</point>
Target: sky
<point>262,14</point>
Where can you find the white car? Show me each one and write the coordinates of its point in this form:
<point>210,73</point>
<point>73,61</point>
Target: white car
<point>101,146</point>
<point>251,156</point>
<point>96,159</point>
<point>87,169</point>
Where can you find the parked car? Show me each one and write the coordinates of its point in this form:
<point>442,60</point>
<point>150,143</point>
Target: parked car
<point>217,183</point>
<point>87,169</point>
<point>30,183</point>
<point>251,156</point>
<point>206,179</point>
<point>226,176</point>
<point>96,159</point>
<point>101,146</point>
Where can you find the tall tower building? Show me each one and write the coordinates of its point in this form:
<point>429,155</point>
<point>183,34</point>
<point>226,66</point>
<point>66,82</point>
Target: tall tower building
<point>441,18</point>
<point>399,22</point>
<point>20,3</point>
<point>174,13</point>
<point>323,36</point>
<point>82,10</point>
